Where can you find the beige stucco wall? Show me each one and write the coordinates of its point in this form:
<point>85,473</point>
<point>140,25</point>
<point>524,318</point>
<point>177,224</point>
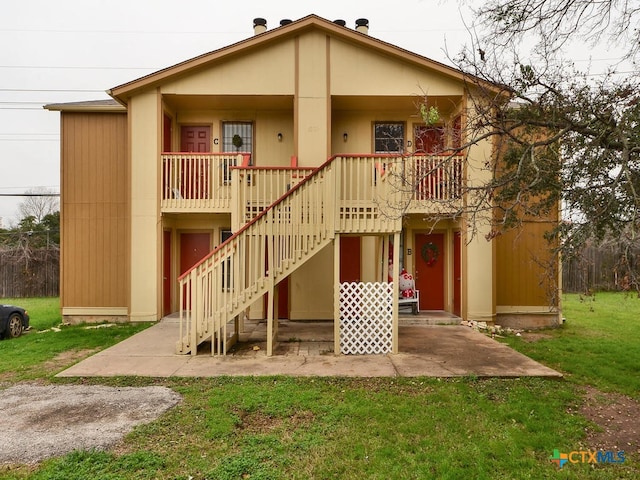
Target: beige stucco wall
<point>312,101</point>
<point>358,71</point>
<point>266,71</point>
<point>311,288</point>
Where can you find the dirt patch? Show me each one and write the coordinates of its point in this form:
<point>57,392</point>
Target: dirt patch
<point>258,422</point>
<point>531,337</point>
<point>618,419</point>
<point>57,363</point>
<point>42,421</point>
<point>65,359</point>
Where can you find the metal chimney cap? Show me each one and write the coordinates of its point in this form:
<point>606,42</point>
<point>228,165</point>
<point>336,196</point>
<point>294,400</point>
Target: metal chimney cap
<point>285,21</point>
<point>340,22</point>
<point>362,22</point>
<point>259,22</point>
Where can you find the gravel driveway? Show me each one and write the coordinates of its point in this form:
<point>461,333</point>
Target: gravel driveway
<point>42,421</point>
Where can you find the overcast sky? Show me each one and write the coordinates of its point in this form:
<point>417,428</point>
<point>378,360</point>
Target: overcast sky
<point>72,50</point>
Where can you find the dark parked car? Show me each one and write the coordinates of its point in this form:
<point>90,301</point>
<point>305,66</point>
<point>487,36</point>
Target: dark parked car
<point>13,321</point>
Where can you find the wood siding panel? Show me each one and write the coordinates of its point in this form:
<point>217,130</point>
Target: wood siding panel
<point>525,269</point>
<point>95,234</point>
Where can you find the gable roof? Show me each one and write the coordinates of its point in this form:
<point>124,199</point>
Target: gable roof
<point>126,90</point>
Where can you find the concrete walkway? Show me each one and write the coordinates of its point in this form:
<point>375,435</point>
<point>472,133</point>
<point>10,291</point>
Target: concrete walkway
<point>306,349</point>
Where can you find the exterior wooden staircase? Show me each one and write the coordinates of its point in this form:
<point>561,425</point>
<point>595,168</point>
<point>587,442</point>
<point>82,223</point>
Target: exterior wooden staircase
<point>347,194</point>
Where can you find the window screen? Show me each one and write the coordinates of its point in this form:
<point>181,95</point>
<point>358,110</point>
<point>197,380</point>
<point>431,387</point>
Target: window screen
<point>389,137</point>
<point>242,132</point>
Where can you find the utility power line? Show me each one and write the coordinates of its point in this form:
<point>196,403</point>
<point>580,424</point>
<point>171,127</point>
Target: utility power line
<point>29,194</point>
<point>60,90</point>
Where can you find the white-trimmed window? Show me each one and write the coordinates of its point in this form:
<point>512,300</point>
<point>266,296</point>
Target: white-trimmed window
<point>237,137</point>
<point>388,137</point>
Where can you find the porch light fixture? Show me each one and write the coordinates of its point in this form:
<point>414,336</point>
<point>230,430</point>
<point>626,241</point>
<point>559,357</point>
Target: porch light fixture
<point>345,135</point>
<point>279,136</point>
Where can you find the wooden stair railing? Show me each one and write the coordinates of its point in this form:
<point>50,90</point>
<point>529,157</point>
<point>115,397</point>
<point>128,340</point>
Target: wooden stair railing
<point>257,257</point>
<point>347,194</point>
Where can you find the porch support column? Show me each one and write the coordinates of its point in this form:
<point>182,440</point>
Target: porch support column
<point>270,336</point>
<point>385,259</point>
<point>396,277</point>
<point>145,249</point>
<point>271,271</point>
<point>480,279</point>
<point>336,294</point>
<point>479,264</point>
<point>276,311</point>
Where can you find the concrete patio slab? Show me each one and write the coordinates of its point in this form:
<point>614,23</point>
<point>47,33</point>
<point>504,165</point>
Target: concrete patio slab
<point>306,349</point>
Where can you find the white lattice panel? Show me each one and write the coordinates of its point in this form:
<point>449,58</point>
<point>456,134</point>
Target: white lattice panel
<point>366,318</point>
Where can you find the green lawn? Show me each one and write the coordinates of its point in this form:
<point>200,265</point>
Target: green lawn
<point>48,346</point>
<point>599,343</point>
<point>389,428</point>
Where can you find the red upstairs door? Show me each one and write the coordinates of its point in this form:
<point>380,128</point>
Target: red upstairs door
<point>195,138</point>
<point>167,128</point>
<point>429,274</point>
<point>195,171</point>
<point>429,140</point>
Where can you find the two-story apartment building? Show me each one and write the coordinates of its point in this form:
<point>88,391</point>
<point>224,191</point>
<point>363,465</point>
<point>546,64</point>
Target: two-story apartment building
<point>257,179</point>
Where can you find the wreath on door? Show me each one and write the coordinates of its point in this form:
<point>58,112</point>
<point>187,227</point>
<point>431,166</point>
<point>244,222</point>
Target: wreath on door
<point>430,253</point>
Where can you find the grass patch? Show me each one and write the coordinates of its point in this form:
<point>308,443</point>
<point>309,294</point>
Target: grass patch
<point>597,345</point>
<point>36,355</point>
<point>299,428</point>
<point>44,312</point>
<point>102,465</point>
<point>388,428</point>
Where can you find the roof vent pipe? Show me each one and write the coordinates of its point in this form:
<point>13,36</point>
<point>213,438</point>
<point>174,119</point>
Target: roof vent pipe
<point>342,23</point>
<point>362,25</point>
<point>259,26</point>
<point>284,21</point>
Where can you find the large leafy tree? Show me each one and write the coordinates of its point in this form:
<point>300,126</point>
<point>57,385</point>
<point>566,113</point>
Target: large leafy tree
<point>565,134</point>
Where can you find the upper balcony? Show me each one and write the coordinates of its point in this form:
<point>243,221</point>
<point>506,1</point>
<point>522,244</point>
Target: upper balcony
<point>226,183</point>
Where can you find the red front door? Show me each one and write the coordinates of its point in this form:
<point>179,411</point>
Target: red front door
<point>456,274</point>
<point>430,270</point>
<point>166,133</point>
<point>193,248</point>
<point>349,259</point>
<point>166,273</point>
